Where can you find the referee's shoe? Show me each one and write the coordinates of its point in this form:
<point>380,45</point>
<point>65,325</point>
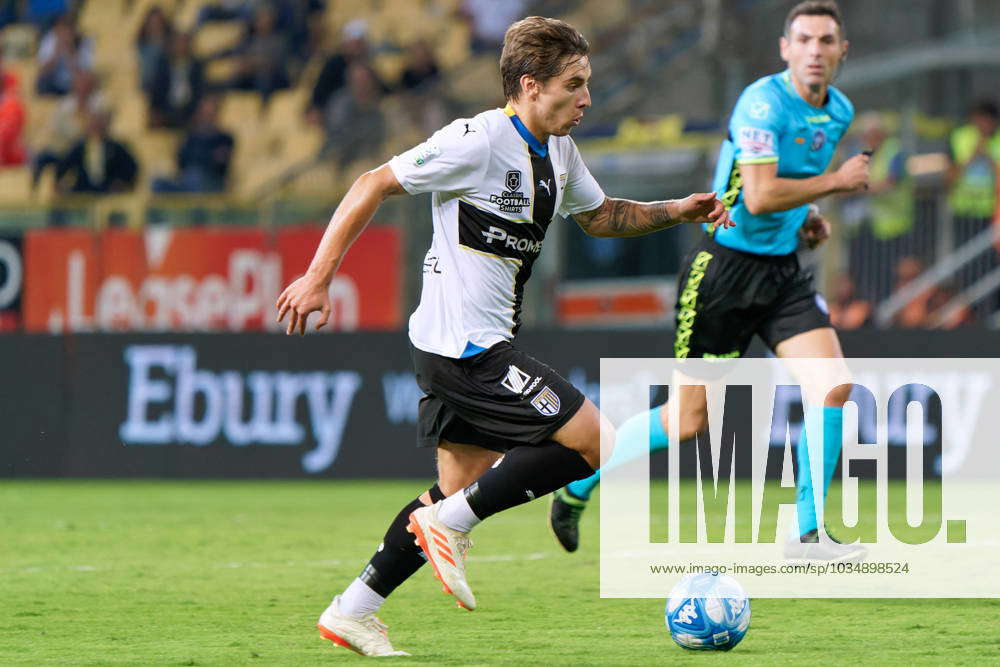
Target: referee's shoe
<point>445,549</point>
<point>810,547</point>
<point>564,518</point>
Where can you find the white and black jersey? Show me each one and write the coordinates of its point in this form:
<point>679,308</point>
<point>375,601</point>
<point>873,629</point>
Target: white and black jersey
<point>496,189</point>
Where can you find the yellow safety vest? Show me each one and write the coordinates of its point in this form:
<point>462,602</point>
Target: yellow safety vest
<point>892,210</point>
<point>974,194</point>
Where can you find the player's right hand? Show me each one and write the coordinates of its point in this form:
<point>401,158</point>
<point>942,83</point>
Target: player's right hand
<point>304,296</point>
<point>853,174</point>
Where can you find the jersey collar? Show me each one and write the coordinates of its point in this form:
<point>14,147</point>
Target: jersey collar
<point>786,76</point>
<point>532,141</point>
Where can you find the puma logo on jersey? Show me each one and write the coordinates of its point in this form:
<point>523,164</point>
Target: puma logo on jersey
<point>510,241</point>
<point>545,184</point>
<point>467,129</point>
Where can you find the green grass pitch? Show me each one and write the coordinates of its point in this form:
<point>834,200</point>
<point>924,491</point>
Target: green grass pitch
<point>236,573</point>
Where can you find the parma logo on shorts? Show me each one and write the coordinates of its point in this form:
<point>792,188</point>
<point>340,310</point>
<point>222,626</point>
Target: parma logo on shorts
<point>546,402</point>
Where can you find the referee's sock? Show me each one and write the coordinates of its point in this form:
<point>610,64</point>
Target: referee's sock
<point>630,444</point>
<point>826,423</point>
<point>396,559</point>
<point>524,473</point>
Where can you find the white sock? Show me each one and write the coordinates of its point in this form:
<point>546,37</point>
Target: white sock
<point>359,599</point>
<point>456,513</point>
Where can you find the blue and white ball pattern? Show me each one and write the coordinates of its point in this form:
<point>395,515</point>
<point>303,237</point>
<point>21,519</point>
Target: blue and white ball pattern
<point>708,612</point>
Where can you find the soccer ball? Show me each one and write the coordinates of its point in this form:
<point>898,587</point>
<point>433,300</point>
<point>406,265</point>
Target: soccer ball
<point>708,612</point>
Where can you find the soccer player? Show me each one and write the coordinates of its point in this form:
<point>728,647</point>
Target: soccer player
<point>507,428</point>
<point>747,280</point>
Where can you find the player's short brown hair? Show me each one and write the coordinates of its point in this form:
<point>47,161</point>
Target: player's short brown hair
<point>540,47</point>
<point>815,8</point>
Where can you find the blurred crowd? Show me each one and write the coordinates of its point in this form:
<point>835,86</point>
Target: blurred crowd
<point>893,233</point>
<point>278,40</point>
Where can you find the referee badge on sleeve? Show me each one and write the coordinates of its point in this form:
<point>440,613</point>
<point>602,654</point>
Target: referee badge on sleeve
<point>546,402</point>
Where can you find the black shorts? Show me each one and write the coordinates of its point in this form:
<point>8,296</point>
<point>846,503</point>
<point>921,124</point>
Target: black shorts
<point>726,296</point>
<point>498,399</point>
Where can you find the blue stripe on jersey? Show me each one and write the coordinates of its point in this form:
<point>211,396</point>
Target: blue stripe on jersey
<point>471,350</point>
<point>532,141</point>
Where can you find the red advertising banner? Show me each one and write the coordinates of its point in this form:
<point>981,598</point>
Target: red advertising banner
<point>11,283</point>
<point>198,279</point>
<point>369,275</point>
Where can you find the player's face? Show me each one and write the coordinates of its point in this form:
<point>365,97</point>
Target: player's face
<point>562,99</point>
<point>813,50</point>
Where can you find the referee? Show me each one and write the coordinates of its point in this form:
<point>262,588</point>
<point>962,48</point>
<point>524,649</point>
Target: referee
<point>746,280</point>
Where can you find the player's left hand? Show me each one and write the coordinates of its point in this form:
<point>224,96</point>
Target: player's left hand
<point>703,207</point>
<point>814,231</point>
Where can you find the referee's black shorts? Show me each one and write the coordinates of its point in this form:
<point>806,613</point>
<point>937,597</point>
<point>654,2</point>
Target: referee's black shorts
<point>498,399</point>
<point>725,296</point>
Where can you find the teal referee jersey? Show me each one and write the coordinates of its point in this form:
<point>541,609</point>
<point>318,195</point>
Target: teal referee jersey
<point>772,123</point>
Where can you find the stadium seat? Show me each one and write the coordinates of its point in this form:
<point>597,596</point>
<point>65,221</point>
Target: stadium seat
<point>240,108</point>
<point>285,109</point>
<point>212,38</point>
<point>18,42</point>
<point>221,71</point>
<point>27,72</point>
<point>406,22</point>
<point>452,49</point>
<point>15,185</point>
<point>321,181</point>
<point>130,117</point>
<point>102,17</point>
<point>39,111</point>
<point>477,80</point>
<point>156,152</point>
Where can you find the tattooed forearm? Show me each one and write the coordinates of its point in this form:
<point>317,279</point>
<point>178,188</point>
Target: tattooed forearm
<point>624,217</point>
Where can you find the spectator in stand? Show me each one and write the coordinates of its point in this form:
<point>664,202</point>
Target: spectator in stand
<point>68,122</point>
<point>97,164</point>
<point>421,71</point>
<point>972,177</point>
<point>11,119</point>
<point>975,154</point>
<point>203,158</point>
<point>421,86</point>
<point>177,85</point>
<point>333,76</point>
<point>488,20</point>
<point>63,53</point>
<point>846,310</point>
<point>264,55</point>
<point>295,18</point>
<point>153,43</point>
<point>355,126</point>
<point>886,211</point>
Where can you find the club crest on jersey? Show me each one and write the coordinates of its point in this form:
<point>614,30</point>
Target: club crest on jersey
<point>546,402</point>
<point>511,200</point>
<point>819,138</point>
